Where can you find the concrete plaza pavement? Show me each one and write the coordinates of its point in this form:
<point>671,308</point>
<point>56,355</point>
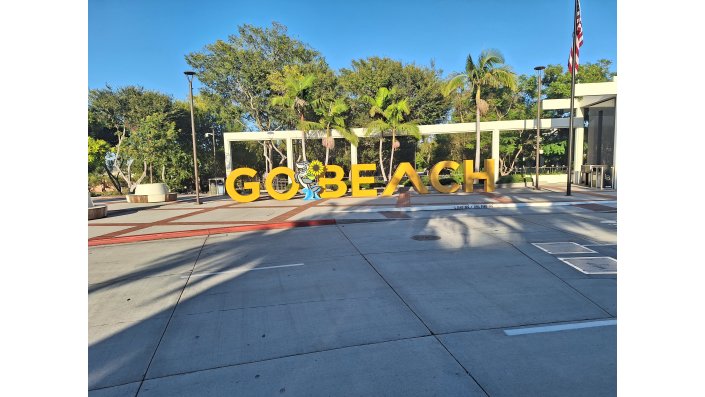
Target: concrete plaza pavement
<point>443,302</point>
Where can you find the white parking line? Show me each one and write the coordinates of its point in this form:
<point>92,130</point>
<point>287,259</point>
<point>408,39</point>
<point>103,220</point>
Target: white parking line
<point>244,270</point>
<point>567,262</point>
<point>539,246</point>
<point>560,327</point>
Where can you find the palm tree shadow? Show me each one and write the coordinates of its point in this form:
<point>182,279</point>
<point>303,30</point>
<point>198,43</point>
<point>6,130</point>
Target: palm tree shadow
<point>132,301</point>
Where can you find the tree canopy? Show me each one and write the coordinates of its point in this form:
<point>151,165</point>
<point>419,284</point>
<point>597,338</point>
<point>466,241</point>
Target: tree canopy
<point>261,78</point>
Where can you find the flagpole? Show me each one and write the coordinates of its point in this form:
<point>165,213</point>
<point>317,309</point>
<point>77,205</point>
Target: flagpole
<point>572,99</point>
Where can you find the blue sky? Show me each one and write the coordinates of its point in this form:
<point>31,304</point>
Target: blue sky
<point>144,42</point>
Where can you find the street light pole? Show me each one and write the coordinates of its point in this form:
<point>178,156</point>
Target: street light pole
<point>538,70</point>
<point>189,75</point>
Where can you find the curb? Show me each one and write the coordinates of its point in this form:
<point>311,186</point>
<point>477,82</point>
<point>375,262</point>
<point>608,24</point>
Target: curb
<point>474,206</point>
<point>98,241</point>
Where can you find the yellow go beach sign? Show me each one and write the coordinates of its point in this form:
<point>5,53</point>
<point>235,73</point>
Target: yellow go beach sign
<point>334,186</point>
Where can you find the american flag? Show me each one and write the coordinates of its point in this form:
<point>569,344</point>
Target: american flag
<point>578,40</point>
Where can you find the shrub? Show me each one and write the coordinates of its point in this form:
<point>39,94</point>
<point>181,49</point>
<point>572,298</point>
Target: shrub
<point>425,180</point>
<point>514,178</point>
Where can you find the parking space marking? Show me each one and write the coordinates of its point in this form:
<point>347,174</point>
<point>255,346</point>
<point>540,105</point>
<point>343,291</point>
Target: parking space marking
<point>567,261</point>
<point>244,270</point>
<point>588,250</point>
<point>560,327</point>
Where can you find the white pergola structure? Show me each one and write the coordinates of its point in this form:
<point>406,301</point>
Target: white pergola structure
<point>591,94</point>
<point>588,95</point>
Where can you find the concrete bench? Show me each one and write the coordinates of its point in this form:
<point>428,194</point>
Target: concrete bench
<point>151,193</point>
<point>96,211</point>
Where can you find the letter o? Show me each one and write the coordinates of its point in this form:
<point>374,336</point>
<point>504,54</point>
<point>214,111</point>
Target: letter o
<point>275,194</point>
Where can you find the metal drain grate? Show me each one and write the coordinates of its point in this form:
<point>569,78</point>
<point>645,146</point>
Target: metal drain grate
<point>593,265</point>
<point>563,248</point>
<point>425,237</point>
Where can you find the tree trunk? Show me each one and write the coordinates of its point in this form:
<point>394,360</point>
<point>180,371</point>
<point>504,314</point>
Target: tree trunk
<point>269,150</point>
<point>163,173</point>
<point>477,131</point>
<point>113,180</point>
<point>151,174</point>
<point>283,156</point>
<point>267,159</point>
<point>381,162</point>
<point>144,173</point>
<point>391,156</point>
<point>128,178</point>
<point>303,140</point>
<point>327,149</point>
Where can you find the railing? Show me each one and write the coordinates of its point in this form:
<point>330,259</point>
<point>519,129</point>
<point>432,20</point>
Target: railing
<point>546,170</point>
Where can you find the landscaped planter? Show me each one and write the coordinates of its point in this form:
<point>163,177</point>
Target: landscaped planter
<point>151,193</point>
<point>96,211</point>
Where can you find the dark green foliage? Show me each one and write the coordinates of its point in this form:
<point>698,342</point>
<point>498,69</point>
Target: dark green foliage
<point>514,178</point>
<point>421,86</point>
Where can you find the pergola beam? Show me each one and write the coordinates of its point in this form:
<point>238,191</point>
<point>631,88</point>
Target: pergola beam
<point>429,129</point>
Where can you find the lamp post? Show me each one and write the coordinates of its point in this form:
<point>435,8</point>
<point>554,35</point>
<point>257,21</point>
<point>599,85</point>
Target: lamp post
<point>189,75</point>
<point>538,70</point>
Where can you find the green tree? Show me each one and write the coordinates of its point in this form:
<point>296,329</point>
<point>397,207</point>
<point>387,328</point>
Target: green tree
<point>390,116</point>
<point>123,111</point>
<point>421,86</point>
<point>557,81</point>
<point>488,72</point>
<point>213,115</point>
<point>556,84</point>
<point>97,150</point>
<point>237,71</point>
<point>295,89</point>
<point>153,143</point>
<point>331,117</point>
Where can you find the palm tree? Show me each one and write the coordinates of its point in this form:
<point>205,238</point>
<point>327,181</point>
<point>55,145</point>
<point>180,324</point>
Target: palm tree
<point>390,117</point>
<point>489,72</point>
<point>331,113</point>
<point>295,86</point>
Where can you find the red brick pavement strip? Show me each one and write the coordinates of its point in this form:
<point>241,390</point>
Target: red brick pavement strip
<point>277,222</point>
<point>163,222</point>
<point>102,240</point>
<point>296,211</point>
<point>229,223</point>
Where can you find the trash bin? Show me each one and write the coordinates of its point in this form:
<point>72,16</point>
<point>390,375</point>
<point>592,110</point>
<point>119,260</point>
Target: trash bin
<point>585,175</point>
<point>216,186</point>
<point>608,177</point>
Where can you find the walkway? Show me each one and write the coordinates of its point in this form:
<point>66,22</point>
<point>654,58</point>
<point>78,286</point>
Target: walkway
<point>219,214</point>
<point>398,296</point>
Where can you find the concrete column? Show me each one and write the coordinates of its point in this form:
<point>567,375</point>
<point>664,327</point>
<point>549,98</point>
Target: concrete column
<point>578,143</point>
<point>290,155</point>
<point>614,154</point>
<point>495,152</point>
<point>353,154</point>
<point>228,157</point>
